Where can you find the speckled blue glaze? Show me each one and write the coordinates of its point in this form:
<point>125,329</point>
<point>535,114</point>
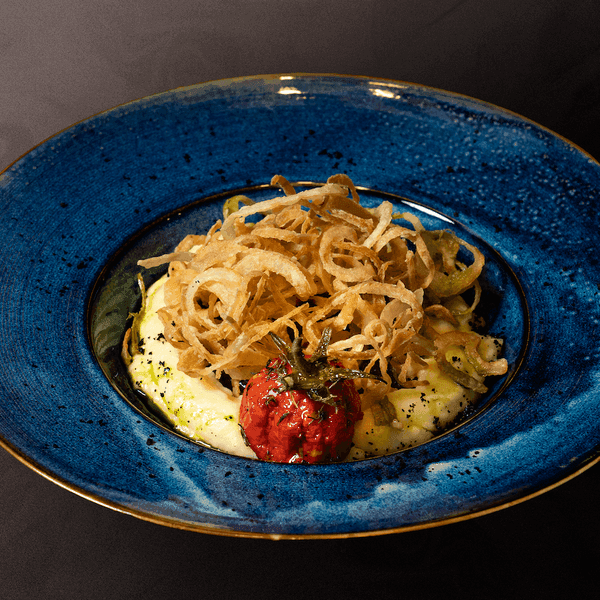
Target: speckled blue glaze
<point>72,203</point>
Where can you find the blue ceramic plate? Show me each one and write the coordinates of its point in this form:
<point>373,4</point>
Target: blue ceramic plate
<point>81,207</point>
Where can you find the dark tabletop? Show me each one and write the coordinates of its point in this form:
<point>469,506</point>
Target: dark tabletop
<point>62,61</point>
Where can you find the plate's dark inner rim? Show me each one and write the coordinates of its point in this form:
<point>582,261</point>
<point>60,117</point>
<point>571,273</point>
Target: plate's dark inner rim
<point>114,370</point>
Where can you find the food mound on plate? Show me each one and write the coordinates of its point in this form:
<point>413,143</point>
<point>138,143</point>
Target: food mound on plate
<point>310,328</point>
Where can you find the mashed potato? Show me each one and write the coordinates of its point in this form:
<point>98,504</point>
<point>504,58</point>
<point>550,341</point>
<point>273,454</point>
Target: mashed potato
<point>198,408</point>
<point>202,409</point>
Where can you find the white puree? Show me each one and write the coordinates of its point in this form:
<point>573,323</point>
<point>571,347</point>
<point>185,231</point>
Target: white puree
<point>202,409</point>
<point>199,408</point>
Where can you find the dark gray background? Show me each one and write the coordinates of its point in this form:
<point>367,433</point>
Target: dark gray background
<point>63,60</point>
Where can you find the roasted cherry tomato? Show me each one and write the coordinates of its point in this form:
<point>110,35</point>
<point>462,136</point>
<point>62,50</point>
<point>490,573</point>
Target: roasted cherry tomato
<point>300,409</point>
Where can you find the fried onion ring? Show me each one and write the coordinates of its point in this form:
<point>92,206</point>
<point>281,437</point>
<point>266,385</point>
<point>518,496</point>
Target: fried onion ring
<point>318,259</point>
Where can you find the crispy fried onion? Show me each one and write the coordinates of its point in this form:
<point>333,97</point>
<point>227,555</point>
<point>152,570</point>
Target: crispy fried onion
<point>316,259</point>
